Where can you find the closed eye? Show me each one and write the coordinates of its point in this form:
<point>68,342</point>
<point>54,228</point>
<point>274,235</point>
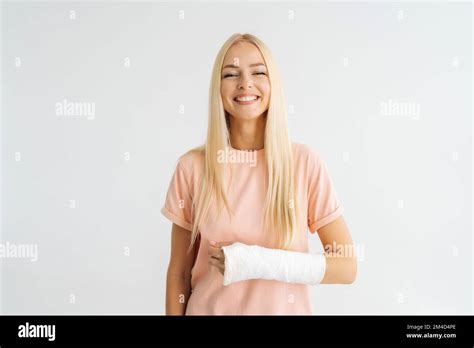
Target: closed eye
<point>257,73</point>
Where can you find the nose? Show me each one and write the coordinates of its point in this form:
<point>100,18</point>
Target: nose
<point>245,82</point>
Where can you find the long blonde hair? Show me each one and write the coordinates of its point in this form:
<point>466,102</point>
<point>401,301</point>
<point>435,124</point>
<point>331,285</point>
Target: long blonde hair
<point>281,208</point>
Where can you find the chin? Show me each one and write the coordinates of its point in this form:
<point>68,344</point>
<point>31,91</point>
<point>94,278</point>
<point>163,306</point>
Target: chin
<point>248,117</point>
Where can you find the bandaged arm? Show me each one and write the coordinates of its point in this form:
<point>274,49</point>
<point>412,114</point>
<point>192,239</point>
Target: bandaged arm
<point>244,262</point>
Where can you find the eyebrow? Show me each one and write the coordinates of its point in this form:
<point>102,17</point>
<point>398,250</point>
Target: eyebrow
<point>235,66</point>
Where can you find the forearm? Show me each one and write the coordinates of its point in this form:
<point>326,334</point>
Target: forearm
<point>178,291</point>
<point>339,269</point>
<point>243,262</point>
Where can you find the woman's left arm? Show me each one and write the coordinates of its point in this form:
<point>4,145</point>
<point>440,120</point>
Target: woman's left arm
<point>341,259</point>
<point>338,265</point>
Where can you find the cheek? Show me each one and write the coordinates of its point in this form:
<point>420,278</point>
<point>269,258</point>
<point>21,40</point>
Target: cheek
<point>226,93</point>
<point>266,103</point>
<point>265,88</point>
<point>227,86</point>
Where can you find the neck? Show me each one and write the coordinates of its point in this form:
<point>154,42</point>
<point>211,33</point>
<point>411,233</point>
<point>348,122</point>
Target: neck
<point>247,134</point>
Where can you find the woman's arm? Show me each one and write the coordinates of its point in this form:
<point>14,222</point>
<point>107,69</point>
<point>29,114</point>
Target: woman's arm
<point>338,265</point>
<point>341,261</point>
<point>178,277</point>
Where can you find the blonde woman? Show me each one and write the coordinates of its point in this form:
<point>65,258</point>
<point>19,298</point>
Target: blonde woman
<point>242,203</point>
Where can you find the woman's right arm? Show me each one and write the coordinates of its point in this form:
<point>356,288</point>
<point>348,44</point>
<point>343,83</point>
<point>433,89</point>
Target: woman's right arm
<point>178,277</point>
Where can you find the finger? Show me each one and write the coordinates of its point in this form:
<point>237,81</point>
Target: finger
<point>222,267</point>
<point>214,262</point>
<point>214,252</point>
<point>217,254</point>
<point>221,244</point>
<point>214,248</point>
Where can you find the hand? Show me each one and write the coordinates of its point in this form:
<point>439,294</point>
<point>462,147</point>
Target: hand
<point>216,255</point>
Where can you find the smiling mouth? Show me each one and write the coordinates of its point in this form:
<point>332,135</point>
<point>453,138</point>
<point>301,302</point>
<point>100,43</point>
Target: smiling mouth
<point>246,101</point>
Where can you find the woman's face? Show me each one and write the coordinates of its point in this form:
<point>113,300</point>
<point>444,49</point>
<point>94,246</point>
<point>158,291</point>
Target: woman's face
<point>245,87</point>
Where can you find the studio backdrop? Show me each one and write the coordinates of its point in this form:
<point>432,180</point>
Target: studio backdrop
<point>99,100</point>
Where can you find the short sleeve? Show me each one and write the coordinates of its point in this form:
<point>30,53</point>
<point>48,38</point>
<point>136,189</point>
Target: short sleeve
<point>178,204</point>
<point>323,203</point>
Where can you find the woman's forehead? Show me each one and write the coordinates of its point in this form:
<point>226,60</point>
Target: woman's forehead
<point>243,53</point>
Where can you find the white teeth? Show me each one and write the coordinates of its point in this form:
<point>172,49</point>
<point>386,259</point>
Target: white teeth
<point>249,98</point>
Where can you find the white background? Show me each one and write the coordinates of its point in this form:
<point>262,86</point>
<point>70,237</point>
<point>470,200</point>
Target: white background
<point>405,181</point>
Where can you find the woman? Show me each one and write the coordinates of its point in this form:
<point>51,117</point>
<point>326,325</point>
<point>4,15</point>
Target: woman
<point>273,191</point>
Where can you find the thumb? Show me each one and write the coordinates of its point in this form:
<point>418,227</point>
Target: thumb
<point>221,244</point>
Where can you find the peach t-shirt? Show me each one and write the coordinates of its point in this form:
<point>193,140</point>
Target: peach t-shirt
<point>318,204</point>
